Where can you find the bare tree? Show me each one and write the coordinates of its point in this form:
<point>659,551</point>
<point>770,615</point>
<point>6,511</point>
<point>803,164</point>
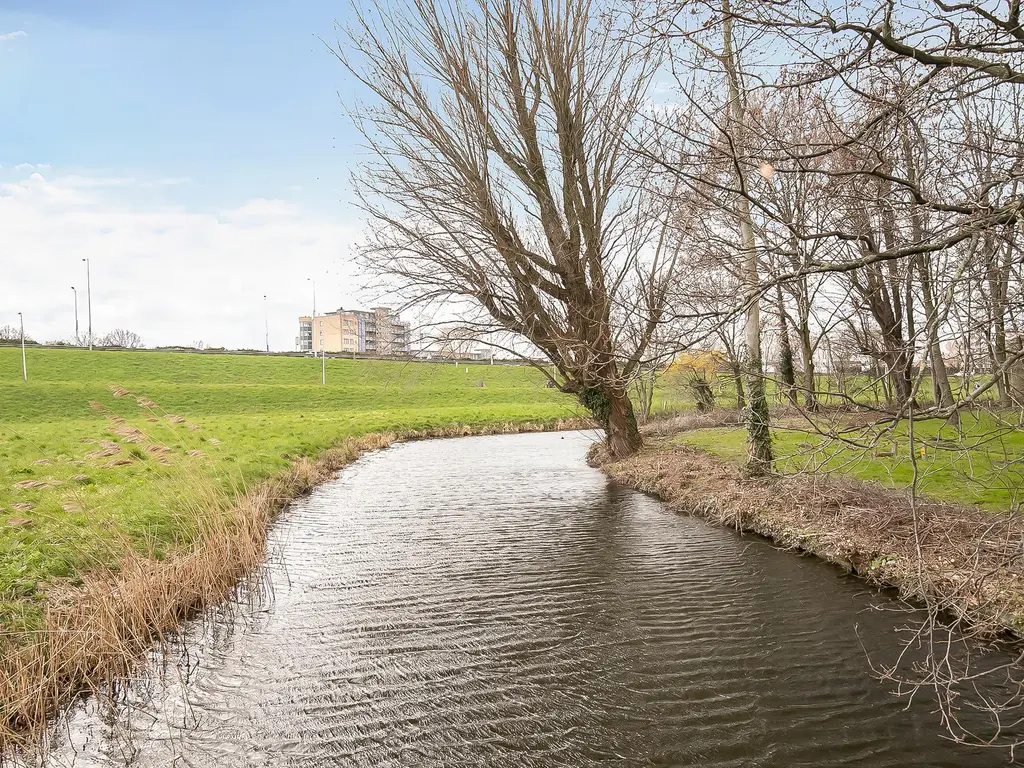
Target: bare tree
<point>910,233</point>
<point>123,338</point>
<point>501,184</point>
<point>11,334</point>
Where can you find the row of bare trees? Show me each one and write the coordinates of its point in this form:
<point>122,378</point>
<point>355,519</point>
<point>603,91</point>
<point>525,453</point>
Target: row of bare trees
<point>615,184</point>
<point>881,188</point>
<point>119,337</point>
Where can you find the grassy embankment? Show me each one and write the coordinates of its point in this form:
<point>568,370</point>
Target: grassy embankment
<point>82,486</point>
<point>672,393</point>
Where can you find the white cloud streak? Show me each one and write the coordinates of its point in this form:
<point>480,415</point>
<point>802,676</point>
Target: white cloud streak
<point>12,35</point>
<point>170,274</point>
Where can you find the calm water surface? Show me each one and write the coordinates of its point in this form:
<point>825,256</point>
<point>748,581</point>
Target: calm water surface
<point>494,602</point>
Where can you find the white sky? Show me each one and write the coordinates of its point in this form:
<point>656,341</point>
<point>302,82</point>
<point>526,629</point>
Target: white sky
<point>170,274</point>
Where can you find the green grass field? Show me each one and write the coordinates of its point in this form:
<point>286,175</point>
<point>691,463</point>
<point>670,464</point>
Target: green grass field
<point>85,473</point>
<point>982,466</point>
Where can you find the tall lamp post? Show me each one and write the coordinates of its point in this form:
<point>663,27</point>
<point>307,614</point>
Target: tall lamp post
<point>266,321</point>
<point>24,365</point>
<point>88,293</point>
<point>73,290</point>
<point>312,336</point>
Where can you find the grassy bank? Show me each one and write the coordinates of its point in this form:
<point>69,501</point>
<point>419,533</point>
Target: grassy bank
<point>961,560</point>
<point>673,392</point>
<point>981,465</point>
<point>106,453</point>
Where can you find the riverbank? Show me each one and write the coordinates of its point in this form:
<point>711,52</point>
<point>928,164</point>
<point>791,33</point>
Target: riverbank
<point>95,634</point>
<point>135,487</point>
<point>979,463</point>
<point>964,561</point>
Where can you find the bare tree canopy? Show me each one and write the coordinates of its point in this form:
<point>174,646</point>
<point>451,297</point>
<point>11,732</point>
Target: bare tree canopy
<point>835,188</point>
<point>10,334</point>
<point>123,338</point>
<point>501,181</point>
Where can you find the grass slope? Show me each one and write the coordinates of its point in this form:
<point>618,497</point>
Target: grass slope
<point>107,452</point>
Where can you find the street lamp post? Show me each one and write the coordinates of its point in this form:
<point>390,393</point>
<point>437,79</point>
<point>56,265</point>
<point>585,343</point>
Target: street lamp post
<point>266,321</point>
<point>88,293</point>
<point>312,336</point>
<point>76,314</point>
<point>24,365</point>
<point>311,280</point>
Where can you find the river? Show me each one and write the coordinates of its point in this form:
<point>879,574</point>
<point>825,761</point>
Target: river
<point>493,601</point>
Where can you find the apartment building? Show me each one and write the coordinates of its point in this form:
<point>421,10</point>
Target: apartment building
<point>375,332</point>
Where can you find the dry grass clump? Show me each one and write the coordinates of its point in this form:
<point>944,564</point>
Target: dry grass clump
<point>95,635</point>
<point>31,484</point>
<point>962,560</point>
<point>719,417</point>
<point>504,428</point>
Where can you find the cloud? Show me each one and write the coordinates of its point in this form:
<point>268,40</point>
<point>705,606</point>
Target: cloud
<point>261,209</point>
<point>79,181</point>
<point>12,35</point>
<point>170,274</point>
<point>168,182</point>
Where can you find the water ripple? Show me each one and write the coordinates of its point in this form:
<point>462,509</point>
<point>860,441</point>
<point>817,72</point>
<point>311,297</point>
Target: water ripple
<point>494,602</point>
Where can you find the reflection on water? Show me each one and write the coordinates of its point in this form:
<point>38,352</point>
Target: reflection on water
<point>492,601</point>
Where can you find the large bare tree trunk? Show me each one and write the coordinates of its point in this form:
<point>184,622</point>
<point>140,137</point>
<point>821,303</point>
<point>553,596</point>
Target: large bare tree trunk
<point>881,295</point>
<point>621,429</point>
<point>941,390</point>
<point>801,294</point>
